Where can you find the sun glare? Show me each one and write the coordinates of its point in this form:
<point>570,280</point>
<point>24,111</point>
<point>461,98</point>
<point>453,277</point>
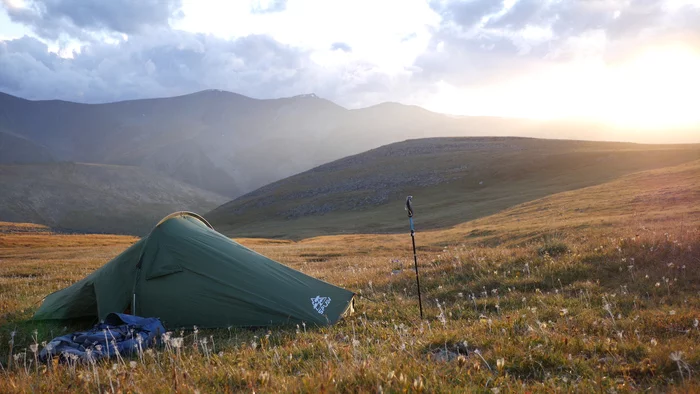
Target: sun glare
<point>15,3</point>
<point>656,89</point>
<point>650,93</point>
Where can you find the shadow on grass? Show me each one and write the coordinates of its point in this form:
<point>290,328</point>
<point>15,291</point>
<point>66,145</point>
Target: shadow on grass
<point>17,335</point>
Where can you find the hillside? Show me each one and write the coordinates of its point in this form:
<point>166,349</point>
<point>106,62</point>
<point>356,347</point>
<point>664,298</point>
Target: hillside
<point>95,198</point>
<point>644,204</point>
<point>453,180</point>
<point>19,150</point>
<point>645,200</point>
<point>232,144</point>
<point>590,290</point>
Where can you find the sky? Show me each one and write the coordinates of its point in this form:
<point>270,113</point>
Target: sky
<point>629,63</point>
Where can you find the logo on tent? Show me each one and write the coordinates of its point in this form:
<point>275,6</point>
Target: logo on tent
<point>320,303</point>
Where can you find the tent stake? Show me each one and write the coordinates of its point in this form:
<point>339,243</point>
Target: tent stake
<point>409,208</point>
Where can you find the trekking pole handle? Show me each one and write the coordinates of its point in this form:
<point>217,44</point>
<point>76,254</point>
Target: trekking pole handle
<point>409,208</point>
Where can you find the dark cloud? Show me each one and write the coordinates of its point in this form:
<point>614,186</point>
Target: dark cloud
<point>22,56</point>
<point>270,7</point>
<point>341,46</point>
<point>50,18</point>
<point>574,17</point>
<point>464,53</point>
<point>618,18</point>
<point>467,62</point>
<point>472,45</point>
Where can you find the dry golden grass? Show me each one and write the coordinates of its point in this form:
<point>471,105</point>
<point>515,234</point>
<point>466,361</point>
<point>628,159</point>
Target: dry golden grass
<point>10,226</point>
<point>590,290</point>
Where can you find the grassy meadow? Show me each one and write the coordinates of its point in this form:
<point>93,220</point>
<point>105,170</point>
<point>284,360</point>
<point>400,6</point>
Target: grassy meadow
<point>592,290</point>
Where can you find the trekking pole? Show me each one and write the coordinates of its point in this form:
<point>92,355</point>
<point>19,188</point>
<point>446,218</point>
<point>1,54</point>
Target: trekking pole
<point>409,208</point>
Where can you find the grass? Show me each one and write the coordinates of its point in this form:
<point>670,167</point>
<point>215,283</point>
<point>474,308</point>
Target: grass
<point>452,180</point>
<point>616,310</point>
<point>95,198</point>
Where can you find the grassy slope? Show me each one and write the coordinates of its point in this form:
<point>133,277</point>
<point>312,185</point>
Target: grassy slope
<point>19,150</point>
<point>667,196</point>
<point>614,307</point>
<point>95,198</point>
<point>453,180</point>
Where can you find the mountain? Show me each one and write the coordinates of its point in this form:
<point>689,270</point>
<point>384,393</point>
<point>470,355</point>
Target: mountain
<point>95,197</point>
<point>17,150</point>
<point>219,141</point>
<point>215,143</point>
<point>231,144</point>
<point>453,180</point>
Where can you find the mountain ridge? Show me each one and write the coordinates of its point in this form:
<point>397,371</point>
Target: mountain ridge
<point>227,144</point>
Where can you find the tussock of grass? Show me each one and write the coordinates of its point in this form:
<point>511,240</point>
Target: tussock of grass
<point>553,249</point>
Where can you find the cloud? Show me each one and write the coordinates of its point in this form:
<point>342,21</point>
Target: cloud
<point>268,7</point>
<point>341,46</point>
<point>574,17</point>
<point>51,18</point>
<point>164,62</point>
<point>152,59</point>
<point>468,44</point>
<point>480,42</point>
<point>617,19</point>
<point>466,13</point>
<point>522,13</point>
<point>168,62</point>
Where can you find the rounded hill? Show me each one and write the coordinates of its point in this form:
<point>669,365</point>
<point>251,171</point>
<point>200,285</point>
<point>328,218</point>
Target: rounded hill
<point>453,180</point>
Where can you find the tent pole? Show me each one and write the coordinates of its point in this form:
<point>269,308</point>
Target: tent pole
<point>133,291</point>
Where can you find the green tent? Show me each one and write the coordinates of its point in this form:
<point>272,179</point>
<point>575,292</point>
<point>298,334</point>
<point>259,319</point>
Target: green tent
<point>186,274</point>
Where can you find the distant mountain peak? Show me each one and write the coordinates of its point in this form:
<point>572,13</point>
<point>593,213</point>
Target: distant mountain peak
<point>310,99</point>
<point>305,96</point>
<point>214,91</point>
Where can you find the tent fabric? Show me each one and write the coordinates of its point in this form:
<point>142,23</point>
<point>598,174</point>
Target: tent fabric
<point>119,333</point>
<point>187,274</point>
